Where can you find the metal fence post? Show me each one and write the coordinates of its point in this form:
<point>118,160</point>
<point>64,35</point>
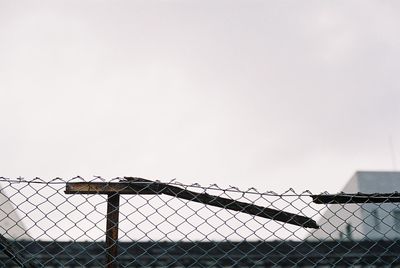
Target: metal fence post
<point>112,230</point>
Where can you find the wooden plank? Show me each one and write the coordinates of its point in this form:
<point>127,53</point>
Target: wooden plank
<point>109,188</point>
<point>143,186</point>
<point>269,213</point>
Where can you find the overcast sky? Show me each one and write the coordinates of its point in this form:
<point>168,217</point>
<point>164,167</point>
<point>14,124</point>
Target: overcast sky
<point>270,94</point>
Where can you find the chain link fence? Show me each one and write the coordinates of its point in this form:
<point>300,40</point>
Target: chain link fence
<point>132,222</point>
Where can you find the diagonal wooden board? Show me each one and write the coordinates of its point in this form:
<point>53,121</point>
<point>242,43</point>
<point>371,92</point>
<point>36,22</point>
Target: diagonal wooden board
<point>133,185</point>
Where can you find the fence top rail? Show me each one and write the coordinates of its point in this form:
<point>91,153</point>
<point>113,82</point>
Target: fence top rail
<point>230,188</point>
<point>347,198</point>
<point>120,184</point>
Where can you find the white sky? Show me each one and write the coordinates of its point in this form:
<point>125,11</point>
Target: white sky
<point>270,94</point>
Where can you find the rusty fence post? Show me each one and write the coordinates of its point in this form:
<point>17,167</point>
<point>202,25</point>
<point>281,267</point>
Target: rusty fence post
<point>112,230</point>
<point>113,190</point>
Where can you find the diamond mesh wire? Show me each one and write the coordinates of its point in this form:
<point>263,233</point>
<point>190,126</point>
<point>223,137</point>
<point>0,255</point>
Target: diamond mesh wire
<point>42,226</point>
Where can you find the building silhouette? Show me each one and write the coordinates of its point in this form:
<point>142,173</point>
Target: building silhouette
<point>369,221</point>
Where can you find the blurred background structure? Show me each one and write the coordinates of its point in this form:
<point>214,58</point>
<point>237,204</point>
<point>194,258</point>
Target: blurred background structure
<point>368,221</point>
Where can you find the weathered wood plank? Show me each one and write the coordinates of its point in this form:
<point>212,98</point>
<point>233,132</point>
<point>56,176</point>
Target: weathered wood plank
<point>143,186</point>
<point>204,198</point>
<point>109,188</point>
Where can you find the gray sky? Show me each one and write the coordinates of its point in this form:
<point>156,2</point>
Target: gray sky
<point>271,94</point>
